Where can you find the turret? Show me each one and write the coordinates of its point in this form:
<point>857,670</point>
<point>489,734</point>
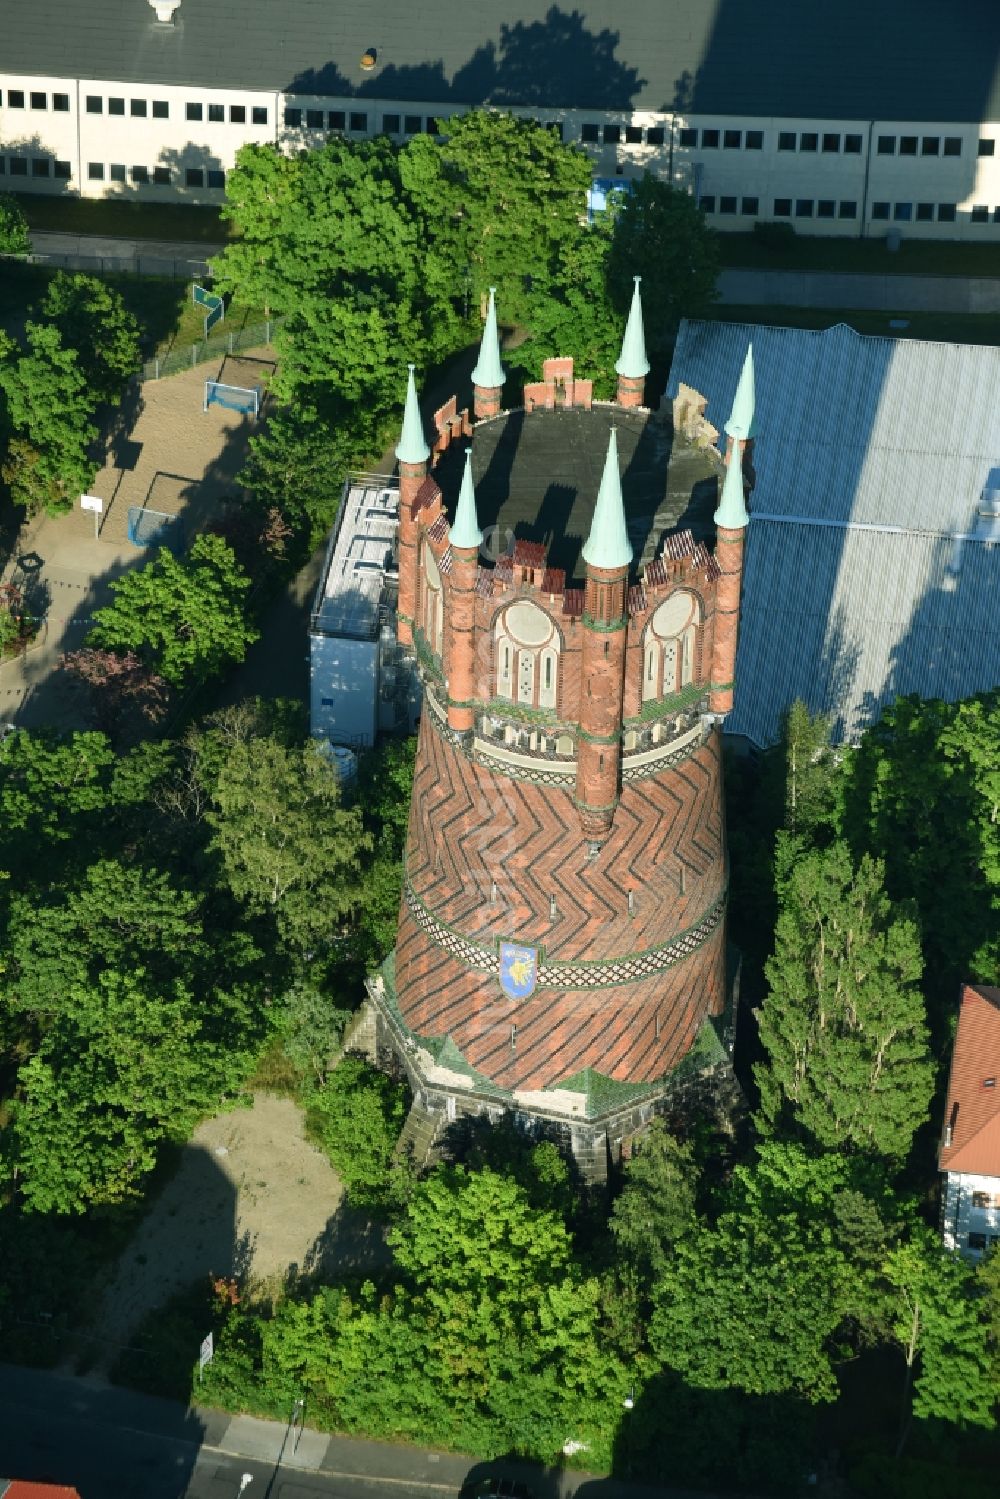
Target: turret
<point>731,521</point>
<point>489,374</point>
<point>632,365</point>
<point>460,647</point>
<point>608,555</point>
<point>412,454</point>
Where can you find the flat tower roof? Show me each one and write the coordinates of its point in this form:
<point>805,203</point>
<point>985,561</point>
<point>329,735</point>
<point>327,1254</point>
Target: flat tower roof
<point>537,477</point>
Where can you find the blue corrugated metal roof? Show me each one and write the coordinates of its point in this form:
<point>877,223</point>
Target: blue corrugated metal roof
<point>872,456</point>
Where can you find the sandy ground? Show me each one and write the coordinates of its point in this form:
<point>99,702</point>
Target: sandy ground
<point>165,453</point>
<point>251,1198</point>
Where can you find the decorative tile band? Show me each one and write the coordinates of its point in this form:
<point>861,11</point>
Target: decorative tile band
<point>548,772</point>
<point>597,974</point>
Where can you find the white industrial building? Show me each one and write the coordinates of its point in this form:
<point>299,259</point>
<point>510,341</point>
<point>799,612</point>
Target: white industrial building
<point>361,684</point>
<point>970,1146</point>
<point>856,119</point>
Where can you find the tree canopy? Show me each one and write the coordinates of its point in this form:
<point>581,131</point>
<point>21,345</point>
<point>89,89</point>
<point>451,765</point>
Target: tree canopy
<point>184,616</point>
<point>843,1022</point>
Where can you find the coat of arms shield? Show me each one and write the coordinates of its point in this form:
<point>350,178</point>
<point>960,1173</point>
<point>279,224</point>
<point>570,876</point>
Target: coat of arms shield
<point>518,970</point>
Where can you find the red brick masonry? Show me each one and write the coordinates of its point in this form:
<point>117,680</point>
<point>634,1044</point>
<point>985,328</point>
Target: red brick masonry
<point>471,829</point>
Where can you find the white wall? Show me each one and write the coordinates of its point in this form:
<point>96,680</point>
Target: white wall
<point>960,1217</point>
<point>343,689</point>
<point>864,178</point>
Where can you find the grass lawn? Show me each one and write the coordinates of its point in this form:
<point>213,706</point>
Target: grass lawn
<point>939,327</point>
<point>123,218</point>
<point>812,252</point>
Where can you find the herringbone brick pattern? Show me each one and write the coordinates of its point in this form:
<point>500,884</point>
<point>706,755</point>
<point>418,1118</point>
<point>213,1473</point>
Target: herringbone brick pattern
<point>495,859</point>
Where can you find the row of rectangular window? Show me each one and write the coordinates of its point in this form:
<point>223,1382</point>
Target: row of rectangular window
<point>35,166</point>
<point>613,135</point>
<point>16,98</point>
<point>117,171</point>
<point>924,145</point>
<point>924,213</point>
<point>334,119</point>
<point>748,206</point>
<point>823,208</point>
<point>654,135</point>
<point>983,1241</point>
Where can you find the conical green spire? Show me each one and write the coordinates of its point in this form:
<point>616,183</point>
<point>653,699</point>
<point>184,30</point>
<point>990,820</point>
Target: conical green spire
<point>608,544</point>
<point>489,372</point>
<point>632,362</point>
<point>465,531</point>
<point>412,446</point>
<point>732,511</point>
<point>740,423</point>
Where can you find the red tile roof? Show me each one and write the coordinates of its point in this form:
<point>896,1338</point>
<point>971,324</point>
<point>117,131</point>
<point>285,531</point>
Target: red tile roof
<point>972,1111</point>
<point>18,1488</point>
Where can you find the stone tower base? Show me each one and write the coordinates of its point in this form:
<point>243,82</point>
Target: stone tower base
<point>599,1130</point>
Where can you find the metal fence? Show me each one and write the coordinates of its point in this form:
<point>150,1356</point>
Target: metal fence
<point>250,337</point>
<point>174,268</point>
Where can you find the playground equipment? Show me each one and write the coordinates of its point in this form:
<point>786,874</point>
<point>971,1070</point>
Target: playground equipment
<point>245,398</point>
<point>148,528</point>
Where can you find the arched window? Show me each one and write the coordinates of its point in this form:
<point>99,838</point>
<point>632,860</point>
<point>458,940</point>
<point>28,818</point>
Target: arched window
<point>669,646</point>
<point>527,659</point>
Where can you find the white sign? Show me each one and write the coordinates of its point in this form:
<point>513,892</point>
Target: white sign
<point>205,1354</point>
<point>91,502</point>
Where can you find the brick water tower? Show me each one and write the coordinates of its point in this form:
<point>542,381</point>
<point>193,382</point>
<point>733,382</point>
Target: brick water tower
<point>570,583</point>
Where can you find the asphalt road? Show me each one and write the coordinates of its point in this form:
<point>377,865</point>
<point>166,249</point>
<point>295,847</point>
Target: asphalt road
<point>117,1462</point>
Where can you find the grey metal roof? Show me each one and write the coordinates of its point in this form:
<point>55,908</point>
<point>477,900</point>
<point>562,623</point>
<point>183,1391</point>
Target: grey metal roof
<point>863,579</point>
<point>858,59</point>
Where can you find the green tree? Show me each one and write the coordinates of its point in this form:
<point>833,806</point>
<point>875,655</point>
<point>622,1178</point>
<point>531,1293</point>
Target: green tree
<point>51,788</point>
<point>292,466</point>
<point>572,314</point>
<point>809,769</point>
<point>119,1072</point>
<point>923,793</point>
<point>310,1028</point>
<point>92,319</point>
<point>938,1324</point>
<point>661,235</point>
<point>186,617</point>
<point>14,236</point>
<point>843,1021</point>
<point>48,410</point>
<point>356,1115</point>
<point>260,195</point>
<point>754,1303</point>
<point>119,916</point>
<point>287,845</point>
<point>516,195</point>
<point>656,1207</point>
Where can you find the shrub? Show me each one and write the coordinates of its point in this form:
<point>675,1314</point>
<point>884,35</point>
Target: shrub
<point>356,1117</point>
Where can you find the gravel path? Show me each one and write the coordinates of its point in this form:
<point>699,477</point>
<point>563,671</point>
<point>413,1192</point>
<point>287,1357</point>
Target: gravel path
<point>251,1197</point>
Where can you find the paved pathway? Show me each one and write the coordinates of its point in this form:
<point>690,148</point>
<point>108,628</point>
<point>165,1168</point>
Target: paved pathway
<point>154,256</point>
<point>114,1444</point>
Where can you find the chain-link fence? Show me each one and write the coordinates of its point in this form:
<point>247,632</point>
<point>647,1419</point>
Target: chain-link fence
<point>175,268</point>
<point>252,336</point>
